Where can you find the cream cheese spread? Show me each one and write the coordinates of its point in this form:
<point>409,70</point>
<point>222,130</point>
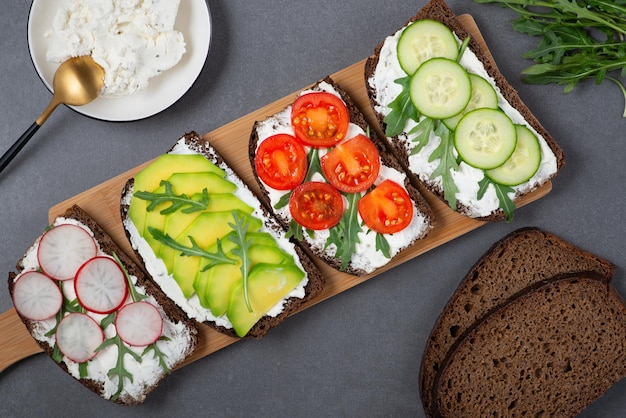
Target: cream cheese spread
<point>133,40</point>
<point>165,280</point>
<point>366,256</point>
<point>466,178</point>
<point>146,373</point>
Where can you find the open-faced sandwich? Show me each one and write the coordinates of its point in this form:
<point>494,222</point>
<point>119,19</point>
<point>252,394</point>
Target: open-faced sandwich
<point>452,119</point>
<point>331,184</point>
<point>95,312</point>
<point>211,246</point>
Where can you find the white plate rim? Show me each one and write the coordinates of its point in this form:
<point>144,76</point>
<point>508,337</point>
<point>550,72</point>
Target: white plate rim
<point>193,20</point>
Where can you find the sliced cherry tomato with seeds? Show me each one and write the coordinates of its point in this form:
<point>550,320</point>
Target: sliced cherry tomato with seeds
<point>320,119</point>
<point>281,162</point>
<point>386,209</point>
<point>353,165</point>
<point>316,205</point>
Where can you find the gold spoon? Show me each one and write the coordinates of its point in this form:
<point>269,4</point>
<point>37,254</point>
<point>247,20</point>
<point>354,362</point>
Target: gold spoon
<point>77,81</point>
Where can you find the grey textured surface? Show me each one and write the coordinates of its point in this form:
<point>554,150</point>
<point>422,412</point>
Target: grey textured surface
<point>357,354</point>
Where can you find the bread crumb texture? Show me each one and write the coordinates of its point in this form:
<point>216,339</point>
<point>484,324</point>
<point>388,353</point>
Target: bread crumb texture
<point>549,352</point>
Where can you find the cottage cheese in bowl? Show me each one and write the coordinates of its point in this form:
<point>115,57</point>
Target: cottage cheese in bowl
<point>191,18</point>
<point>133,40</point>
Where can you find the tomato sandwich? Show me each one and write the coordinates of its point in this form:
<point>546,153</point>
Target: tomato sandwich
<point>96,313</point>
<point>452,119</point>
<point>211,246</point>
<point>332,186</point>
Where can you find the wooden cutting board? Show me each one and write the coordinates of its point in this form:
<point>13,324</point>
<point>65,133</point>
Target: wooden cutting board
<point>231,141</point>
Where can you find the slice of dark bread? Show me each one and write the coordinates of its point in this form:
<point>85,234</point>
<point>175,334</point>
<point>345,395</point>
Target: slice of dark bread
<point>181,331</point>
<point>550,351</point>
<point>519,260</point>
<point>193,143</point>
<point>423,210</point>
<point>401,144</point>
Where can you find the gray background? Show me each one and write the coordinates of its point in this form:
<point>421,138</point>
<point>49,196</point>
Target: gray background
<point>357,354</point>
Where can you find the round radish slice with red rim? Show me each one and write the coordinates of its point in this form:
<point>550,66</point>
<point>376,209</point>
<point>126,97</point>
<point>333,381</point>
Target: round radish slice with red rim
<point>100,285</point>
<point>139,323</point>
<point>63,249</point>
<point>36,296</point>
<point>78,336</point>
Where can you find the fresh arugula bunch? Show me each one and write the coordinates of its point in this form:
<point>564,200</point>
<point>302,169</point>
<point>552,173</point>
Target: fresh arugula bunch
<point>580,40</point>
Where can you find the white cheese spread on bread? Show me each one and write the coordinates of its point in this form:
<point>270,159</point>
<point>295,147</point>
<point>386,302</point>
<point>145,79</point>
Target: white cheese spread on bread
<point>145,373</point>
<point>165,280</point>
<point>466,178</point>
<point>366,257</point>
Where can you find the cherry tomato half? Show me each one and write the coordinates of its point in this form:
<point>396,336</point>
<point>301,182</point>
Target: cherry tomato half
<point>320,119</point>
<point>352,166</point>
<point>386,209</point>
<point>316,205</point>
<point>281,162</point>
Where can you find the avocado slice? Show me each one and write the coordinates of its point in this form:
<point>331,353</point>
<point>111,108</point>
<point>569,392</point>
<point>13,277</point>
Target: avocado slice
<point>205,230</point>
<point>268,284</point>
<point>192,185</point>
<point>162,168</point>
<point>221,278</point>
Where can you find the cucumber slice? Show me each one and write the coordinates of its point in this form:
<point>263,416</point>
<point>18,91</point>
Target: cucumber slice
<point>485,138</point>
<point>423,40</point>
<point>483,95</point>
<point>440,88</point>
<point>523,163</point>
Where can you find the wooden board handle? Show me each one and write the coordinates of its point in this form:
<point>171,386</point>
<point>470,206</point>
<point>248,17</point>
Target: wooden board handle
<point>16,342</point>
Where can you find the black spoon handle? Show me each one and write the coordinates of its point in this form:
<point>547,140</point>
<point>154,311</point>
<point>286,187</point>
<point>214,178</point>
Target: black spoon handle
<point>18,145</point>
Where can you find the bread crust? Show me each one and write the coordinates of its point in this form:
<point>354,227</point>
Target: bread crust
<point>387,158</point>
<point>440,11</point>
<point>108,246</point>
<point>552,349</point>
<point>519,260</point>
<point>315,279</point>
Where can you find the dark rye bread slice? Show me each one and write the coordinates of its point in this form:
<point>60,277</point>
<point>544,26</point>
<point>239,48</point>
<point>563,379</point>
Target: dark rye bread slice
<point>171,311</point>
<point>315,280</point>
<point>551,351</point>
<point>440,11</point>
<point>387,159</point>
<point>520,259</point>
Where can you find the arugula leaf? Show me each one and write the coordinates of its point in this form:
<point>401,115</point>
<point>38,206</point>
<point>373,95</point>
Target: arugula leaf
<point>216,258</point>
<point>243,245</point>
<point>177,202</point>
<point>157,353</point>
<point>383,245</point>
<point>108,320</point>
<point>502,192</point>
<point>295,231</point>
<point>423,130</point>
<point>569,50</point>
<point>402,109</point>
<point>119,370</point>
<point>447,163</point>
<point>345,235</point>
<point>82,370</point>
<point>135,295</point>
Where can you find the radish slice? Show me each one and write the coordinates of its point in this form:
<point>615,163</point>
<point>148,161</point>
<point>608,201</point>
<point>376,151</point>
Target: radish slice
<point>139,323</point>
<point>36,296</point>
<point>63,249</point>
<point>100,285</point>
<point>77,336</point>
